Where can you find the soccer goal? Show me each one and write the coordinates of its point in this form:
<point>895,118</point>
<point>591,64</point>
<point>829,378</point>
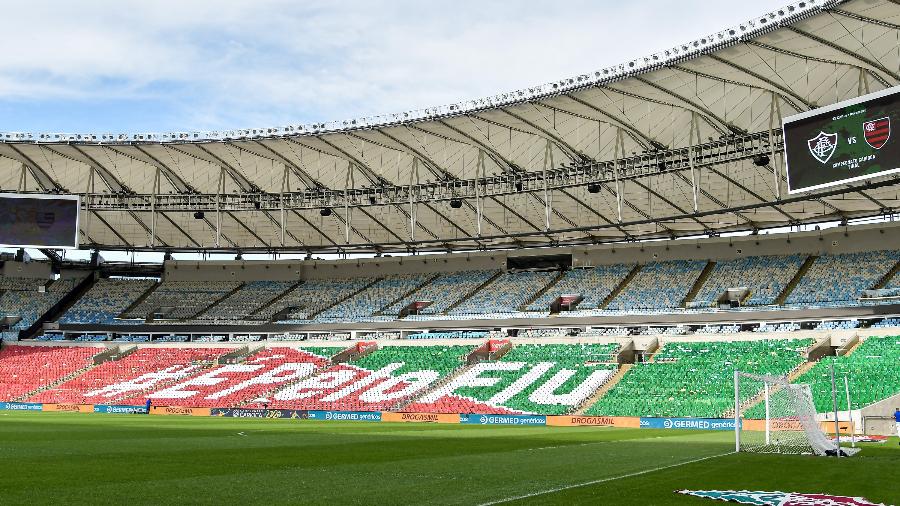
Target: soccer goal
<point>773,415</point>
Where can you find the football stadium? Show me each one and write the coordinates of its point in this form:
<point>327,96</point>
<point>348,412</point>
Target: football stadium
<point>675,280</point>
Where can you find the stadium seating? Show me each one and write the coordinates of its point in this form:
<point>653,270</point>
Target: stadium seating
<point>659,285</point>
<point>505,294</point>
<point>24,369</point>
<point>234,385</point>
<point>171,339</point>
<point>841,279</point>
<point>887,322</point>
<point>593,284</point>
<point>446,290</point>
<point>369,336</point>
<point>22,298</point>
<point>765,276</point>
<point>106,300</point>
<point>124,380</point>
<point>377,381</point>
<point>678,330</point>
<point>696,378</point>
<point>873,369</point>
<point>838,325</point>
<point>531,378</point>
<point>211,339</point>
<point>719,329</point>
<point>92,338</point>
<point>606,332</point>
<point>178,300</point>
<point>244,302</point>
<point>779,327</point>
<point>544,333</point>
<point>374,298</point>
<point>313,296</point>
<point>453,334</point>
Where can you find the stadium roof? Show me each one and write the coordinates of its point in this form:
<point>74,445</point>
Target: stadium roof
<point>593,158</point>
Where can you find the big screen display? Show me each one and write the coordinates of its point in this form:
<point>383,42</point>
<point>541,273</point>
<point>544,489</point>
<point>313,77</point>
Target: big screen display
<point>39,221</point>
<point>845,142</point>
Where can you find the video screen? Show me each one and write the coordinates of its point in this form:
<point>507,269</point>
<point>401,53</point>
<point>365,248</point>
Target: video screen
<point>39,221</point>
<point>846,142</point>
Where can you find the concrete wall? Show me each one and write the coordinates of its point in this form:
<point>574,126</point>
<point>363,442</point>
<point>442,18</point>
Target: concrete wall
<point>37,270</point>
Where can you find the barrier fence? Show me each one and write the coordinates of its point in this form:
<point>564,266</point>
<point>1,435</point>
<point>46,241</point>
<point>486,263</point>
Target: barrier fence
<point>631,422</point>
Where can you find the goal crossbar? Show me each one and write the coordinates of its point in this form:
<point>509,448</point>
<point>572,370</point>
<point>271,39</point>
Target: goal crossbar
<point>773,415</point>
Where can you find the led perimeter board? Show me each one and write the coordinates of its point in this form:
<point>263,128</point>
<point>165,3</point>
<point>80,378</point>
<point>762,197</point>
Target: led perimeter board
<point>848,141</point>
<point>39,221</point>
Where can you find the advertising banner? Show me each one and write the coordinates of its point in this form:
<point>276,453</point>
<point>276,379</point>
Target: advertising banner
<point>179,411</point>
<point>22,406</point>
<point>688,423</point>
<point>120,409</point>
<point>354,416</point>
<point>419,417</point>
<point>632,422</point>
<point>260,413</point>
<point>503,419</point>
<point>70,408</point>
<point>774,425</point>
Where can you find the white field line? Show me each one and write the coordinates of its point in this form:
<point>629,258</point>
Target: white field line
<point>603,480</point>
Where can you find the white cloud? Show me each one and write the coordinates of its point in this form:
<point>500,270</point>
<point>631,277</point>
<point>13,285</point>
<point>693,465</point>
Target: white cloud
<point>220,64</point>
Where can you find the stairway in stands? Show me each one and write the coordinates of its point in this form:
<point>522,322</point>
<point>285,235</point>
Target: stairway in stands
<point>217,302</point>
<point>410,293</point>
<point>621,286</point>
<point>473,292</point>
<point>701,280</point>
<point>137,303</point>
<point>540,293</point>
<point>273,300</point>
<point>62,380</point>
<point>810,260</point>
<point>400,406</point>
<point>343,299</point>
<point>887,277</point>
<point>590,401</point>
<point>57,310</point>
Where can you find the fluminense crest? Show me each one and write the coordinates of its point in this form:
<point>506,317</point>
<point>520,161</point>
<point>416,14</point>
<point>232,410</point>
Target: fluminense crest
<point>822,146</point>
<point>760,498</point>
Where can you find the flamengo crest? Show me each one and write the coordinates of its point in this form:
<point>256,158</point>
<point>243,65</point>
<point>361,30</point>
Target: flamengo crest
<point>877,131</point>
<point>758,498</point>
<point>822,146</point>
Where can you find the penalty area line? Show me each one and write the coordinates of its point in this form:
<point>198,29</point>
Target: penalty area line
<point>602,480</point>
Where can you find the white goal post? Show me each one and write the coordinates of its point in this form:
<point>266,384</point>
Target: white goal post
<point>773,415</point>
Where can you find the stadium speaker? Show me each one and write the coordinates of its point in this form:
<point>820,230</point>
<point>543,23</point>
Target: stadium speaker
<point>593,188</point>
<point>455,203</point>
<point>518,186</point>
<point>761,160</point>
<point>199,215</point>
<point>325,212</point>
<point>256,204</point>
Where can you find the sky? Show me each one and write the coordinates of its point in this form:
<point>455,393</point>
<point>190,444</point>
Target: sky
<point>203,65</point>
<point>159,66</point>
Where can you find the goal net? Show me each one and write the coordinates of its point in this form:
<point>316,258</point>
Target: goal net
<point>773,415</point>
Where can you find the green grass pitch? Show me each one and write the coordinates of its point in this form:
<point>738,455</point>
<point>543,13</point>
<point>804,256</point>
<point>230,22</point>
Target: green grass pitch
<point>62,458</point>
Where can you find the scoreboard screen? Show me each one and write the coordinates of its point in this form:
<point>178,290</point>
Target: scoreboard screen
<point>848,141</point>
<point>39,221</point>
